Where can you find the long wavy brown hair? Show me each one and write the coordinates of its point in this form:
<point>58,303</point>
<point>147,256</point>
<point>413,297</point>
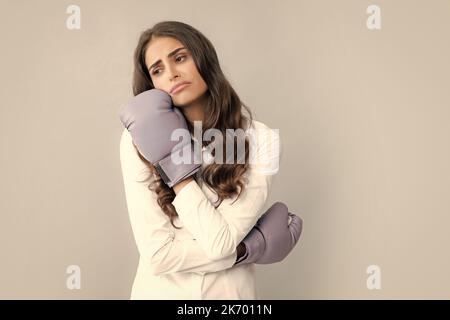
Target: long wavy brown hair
<point>223,110</point>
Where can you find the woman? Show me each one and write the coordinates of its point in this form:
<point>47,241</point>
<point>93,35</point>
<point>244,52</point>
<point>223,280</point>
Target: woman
<point>190,248</point>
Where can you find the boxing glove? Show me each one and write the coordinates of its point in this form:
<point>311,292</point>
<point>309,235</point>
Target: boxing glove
<point>273,237</point>
<point>151,118</point>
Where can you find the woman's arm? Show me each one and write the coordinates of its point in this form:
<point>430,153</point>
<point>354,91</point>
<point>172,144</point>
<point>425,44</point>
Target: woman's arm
<point>180,185</point>
<point>220,230</point>
<point>153,233</point>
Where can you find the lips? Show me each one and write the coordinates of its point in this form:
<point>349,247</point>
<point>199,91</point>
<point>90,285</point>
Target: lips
<point>175,87</point>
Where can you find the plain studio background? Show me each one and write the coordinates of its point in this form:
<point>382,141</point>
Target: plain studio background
<point>363,116</point>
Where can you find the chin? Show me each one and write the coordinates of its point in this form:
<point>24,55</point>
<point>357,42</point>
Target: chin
<point>179,102</point>
<point>183,100</point>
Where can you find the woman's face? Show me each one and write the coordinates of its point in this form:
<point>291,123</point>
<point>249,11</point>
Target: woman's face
<point>169,65</point>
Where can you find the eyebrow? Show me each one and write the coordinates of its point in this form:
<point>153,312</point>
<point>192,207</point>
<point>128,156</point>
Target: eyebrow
<point>168,56</point>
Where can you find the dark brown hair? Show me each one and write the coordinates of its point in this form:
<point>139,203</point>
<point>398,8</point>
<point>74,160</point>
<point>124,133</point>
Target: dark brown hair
<point>222,111</point>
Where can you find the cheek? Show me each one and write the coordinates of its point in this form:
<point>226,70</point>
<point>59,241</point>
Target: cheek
<point>199,82</point>
<point>157,84</point>
<point>192,69</point>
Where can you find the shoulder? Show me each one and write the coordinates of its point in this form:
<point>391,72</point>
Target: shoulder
<point>124,137</point>
<point>132,165</point>
<point>257,124</point>
<point>126,145</point>
<point>265,147</point>
<point>262,133</point>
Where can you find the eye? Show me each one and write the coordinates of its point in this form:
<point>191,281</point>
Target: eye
<point>180,57</point>
<point>183,57</point>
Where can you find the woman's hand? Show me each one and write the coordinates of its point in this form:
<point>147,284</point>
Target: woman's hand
<point>273,237</point>
<point>151,120</point>
<point>241,251</point>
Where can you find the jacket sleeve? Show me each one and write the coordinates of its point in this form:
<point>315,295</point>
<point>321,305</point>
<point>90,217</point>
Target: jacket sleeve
<point>219,230</point>
<point>154,235</point>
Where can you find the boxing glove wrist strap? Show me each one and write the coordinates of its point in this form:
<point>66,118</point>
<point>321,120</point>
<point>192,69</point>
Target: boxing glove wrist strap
<point>172,173</point>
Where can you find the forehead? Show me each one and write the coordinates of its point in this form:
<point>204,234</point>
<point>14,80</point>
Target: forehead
<point>159,48</point>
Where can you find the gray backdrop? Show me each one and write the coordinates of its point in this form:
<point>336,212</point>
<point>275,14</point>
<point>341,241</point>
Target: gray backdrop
<point>363,116</point>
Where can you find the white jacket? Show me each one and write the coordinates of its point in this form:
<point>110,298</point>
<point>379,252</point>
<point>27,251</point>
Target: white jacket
<point>196,261</point>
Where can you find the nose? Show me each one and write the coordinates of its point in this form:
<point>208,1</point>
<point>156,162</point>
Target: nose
<point>173,73</point>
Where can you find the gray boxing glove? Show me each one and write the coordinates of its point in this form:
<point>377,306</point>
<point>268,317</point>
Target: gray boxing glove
<point>273,237</point>
<point>151,118</point>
